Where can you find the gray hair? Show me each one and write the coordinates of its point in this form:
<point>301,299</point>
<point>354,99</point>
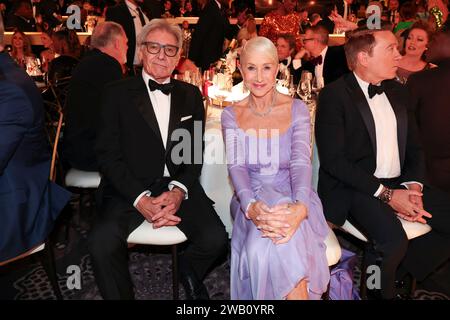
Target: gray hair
<point>105,33</point>
<point>161,25</point>
<point>259,44</point>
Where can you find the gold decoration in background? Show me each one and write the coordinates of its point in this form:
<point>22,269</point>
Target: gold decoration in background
<point>438,16</point>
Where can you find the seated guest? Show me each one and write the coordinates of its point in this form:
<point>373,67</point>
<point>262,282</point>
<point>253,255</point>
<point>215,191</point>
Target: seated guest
<point>277,246</point>
<point>68,50</point>
<point>284,19</point>
<point>327,63</point>
<point>430,90</point>
<point>407,17</point>
<point>21,49</point>
<point>286,48</point>
<point>48,54</point>
<point>21,17</point>
<point>371,163</point>
<point>29,202</point>
<point>415,48</point>
<point>100,66</point>
<point>141,180</point>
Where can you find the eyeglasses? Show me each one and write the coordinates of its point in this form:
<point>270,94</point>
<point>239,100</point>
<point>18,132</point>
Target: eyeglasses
<point>155,48</point>
<point>308,39</point>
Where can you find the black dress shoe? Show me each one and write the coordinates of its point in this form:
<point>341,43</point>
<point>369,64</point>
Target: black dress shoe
<point>194,288</point>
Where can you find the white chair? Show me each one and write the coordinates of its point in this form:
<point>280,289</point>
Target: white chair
<point>83,183</point>
<point>166,236</point>
<point>333,254</point>
<point>412,230</point>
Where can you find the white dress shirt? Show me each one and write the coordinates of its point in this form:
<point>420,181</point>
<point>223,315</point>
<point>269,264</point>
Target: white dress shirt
<point>388,157</point>
<point>161,108</point>
<point>318,69</point>
<point>137,26</point>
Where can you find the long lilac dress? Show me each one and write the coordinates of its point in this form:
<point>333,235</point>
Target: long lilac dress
<point>259,268</point>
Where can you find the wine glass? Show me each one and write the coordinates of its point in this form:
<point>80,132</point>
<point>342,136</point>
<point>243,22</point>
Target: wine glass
<point>304,89</point>
<point>317,84</point>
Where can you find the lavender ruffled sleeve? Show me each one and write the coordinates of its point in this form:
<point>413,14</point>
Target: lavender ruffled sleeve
<point>235,151</point>
<point>300,163</point>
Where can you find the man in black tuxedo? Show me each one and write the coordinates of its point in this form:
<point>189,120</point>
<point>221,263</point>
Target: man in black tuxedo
<point>327,63</point>
<point>21,17</point>
<point>132,18</point>
<point>144,174</point>
<point>100,66</point>
<point>210,32</point>
<point>285,48</point>
<point>371,163</point>
<point>430,91</point>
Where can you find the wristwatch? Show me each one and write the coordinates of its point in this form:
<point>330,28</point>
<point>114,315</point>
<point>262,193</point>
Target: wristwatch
<point>386,195</point>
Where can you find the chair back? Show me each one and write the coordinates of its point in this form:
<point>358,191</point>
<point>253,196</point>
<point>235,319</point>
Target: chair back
<point>54,132</point>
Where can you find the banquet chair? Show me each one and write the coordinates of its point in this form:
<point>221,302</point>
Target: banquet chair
<point>45,248</point>
<point>333,254</point>
<point>166,236</point>
<point>412,230</point>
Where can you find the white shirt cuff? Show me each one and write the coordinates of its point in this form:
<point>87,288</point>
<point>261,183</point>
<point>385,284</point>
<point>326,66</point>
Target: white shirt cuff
<point>405,184</point>
<point>296,63</point>
<point>174,183</point>
<point>377,193</point>
<point>145,193</point>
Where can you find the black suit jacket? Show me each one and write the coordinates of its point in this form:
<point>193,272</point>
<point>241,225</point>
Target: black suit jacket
<point>207,41</point>
<point>432,110</point>
<point>346,141</point>
<point>334,64</point>
<point>88,80</point>
<point>120,14</point>
<point>129,147</point>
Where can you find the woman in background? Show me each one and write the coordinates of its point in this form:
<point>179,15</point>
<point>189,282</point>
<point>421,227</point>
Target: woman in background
<point>414,52</point>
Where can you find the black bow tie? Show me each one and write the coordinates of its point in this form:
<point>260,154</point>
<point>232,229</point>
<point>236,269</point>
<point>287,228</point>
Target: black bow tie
<point>316,61</point>
<point>285,62</point>
<point>165,88</point>
<point>373,90</point>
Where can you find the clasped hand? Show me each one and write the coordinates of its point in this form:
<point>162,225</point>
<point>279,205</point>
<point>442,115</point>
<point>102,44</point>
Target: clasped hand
<point>408,205</point>
<point>161,210</point>
<point>278,223</point>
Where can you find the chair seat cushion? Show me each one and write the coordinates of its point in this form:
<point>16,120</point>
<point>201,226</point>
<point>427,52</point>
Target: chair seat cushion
<point>145,234</point>
<point>412,229</point>
<point>333,248</point>
<point>82,179</point>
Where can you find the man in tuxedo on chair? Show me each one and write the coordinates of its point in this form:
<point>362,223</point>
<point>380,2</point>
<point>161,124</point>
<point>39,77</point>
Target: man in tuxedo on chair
<point>372,165</point>
<point>142,179</point>
<point>325,63</point>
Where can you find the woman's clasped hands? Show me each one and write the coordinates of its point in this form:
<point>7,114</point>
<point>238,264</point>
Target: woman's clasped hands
<point>278,223</point>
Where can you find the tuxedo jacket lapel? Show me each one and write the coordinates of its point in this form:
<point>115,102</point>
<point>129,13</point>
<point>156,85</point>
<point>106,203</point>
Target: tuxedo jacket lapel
<point>145,107</point>
<point>176,105</point>
<point>401,116</point>
<point>361,103</point>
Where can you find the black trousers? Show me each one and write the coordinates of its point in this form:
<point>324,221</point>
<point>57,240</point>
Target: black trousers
<point>207,240</point>
<point>421,255</point>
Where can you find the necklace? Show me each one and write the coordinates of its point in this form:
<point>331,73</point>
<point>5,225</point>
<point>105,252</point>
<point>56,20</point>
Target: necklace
<point>261,114</point>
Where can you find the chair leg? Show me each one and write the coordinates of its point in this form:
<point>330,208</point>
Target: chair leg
<point>48,262</point>
<point>175,290</point>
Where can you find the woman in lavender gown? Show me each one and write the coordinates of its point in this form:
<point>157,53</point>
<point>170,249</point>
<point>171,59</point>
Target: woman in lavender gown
<point>278,249</point>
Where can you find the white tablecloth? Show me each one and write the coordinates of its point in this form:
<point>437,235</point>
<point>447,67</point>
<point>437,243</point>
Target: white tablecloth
<point>214,178</point>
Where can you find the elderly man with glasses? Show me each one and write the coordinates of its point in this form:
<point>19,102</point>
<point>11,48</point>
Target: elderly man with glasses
<point>142,175</point>
<point>326,63</point>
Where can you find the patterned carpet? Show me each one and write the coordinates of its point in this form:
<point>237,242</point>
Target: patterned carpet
<point>151,272</point>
